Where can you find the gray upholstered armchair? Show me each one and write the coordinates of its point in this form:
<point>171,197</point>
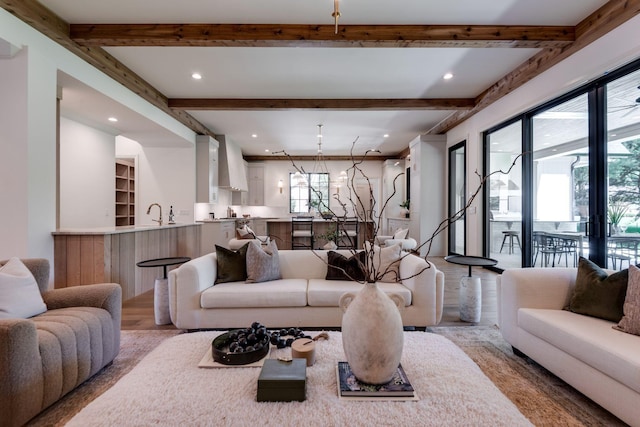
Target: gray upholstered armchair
<point>44,357</point>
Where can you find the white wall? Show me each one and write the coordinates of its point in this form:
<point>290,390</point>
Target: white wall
<point>617,48</point>
<point>28,160</point>
<point>13,160</point>
<point>87,171</point>
<point>163,175</point>
<point>428,195</point>
<point>28,118</point>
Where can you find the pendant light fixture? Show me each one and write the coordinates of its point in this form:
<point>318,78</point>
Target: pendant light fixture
<point>336,13</point>
<point>320,165</point>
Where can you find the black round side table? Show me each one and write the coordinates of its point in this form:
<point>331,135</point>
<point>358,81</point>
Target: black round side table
<point>470,287</point>
<point>161,286</point>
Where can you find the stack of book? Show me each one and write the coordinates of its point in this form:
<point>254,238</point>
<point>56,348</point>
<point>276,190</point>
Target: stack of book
<point>399,388</point>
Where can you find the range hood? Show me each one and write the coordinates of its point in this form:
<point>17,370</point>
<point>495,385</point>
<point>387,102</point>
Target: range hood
<point>231,172</point>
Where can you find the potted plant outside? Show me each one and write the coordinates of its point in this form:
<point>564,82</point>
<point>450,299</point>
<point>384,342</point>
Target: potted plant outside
<point>405,207</point>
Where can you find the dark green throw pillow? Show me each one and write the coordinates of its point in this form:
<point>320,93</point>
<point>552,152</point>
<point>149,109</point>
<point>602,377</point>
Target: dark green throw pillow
<point>598,294</point>
<point>342,268</point>
<point>232,265</point>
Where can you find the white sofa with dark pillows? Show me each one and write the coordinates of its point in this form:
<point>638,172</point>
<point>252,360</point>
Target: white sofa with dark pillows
<point>581,324</point>
<point>294,288</point>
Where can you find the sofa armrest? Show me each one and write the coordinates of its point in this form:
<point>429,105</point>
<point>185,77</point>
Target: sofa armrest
<point>101,295</point>
<point>547,288</point>
<point>426,285</point>
<point>20,370</point>
<point>186,283</point>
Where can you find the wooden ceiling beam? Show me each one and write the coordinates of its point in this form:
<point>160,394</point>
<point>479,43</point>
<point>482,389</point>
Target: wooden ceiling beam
<point>369,158</point>
<point>290,35</point>
<point>332,104</point>
<point>609,16</point>
<point>48,23</point>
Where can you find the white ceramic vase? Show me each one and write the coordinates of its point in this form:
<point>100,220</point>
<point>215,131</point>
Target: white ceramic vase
<point>330,245</point>
<point>372,333</point>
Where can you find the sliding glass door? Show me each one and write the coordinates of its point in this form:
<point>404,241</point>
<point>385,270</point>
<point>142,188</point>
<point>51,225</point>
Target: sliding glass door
<point>623,177</point>
<point>504,236</point>
<point>577,190</point>
<point>560,196</point>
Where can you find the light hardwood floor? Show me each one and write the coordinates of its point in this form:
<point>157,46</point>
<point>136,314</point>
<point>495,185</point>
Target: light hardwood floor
<point>137,312</point>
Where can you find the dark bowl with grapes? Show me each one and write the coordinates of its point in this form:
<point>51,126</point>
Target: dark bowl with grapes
<point>241,346</point>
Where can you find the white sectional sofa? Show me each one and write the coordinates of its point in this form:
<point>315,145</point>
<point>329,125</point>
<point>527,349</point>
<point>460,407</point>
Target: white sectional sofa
<point>302,298</point>
<point>584,351</point>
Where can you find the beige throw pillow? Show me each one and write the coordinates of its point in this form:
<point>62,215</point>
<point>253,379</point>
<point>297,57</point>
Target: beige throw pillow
<point>19,293</point>
<point>263,265</point>
<point>401,233</point>
<point>630,322</point>
<point>245,232</point>
<point>384,263</point>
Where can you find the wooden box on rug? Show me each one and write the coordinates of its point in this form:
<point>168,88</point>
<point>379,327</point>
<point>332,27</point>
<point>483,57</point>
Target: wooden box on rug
<point>281,381</point>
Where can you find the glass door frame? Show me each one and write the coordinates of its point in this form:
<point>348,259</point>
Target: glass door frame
<point>526,192</point>
<point>451,230</point>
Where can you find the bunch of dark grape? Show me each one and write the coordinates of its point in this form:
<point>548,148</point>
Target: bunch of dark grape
<point>255,337</point>
<point>280,340</point>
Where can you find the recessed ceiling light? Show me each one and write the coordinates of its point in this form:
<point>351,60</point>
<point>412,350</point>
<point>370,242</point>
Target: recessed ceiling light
<point>196,76</point>
<point>266,150</point>
<point>113,119</point>
<point>448,76</point>
<point>386,135</point>
<point>254,135</point>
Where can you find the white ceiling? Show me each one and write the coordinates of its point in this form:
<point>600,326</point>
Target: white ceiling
<point>275,72</point>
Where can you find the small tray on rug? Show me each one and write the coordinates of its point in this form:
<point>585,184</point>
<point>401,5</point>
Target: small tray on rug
<point>208,362</point>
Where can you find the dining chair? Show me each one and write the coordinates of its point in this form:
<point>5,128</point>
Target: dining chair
<point>302,232</point>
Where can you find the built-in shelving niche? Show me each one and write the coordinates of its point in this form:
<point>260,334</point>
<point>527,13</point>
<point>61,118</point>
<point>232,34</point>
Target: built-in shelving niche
<point>125,192</point>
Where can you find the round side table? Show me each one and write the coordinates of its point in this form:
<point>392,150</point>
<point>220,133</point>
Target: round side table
<point>470,287</point>
<point>161,287</point>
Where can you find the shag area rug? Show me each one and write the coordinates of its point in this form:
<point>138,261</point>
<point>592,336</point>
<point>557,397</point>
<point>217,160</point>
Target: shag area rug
<point>543,398</point>
<point>134,345</point>
<point>167,387</point>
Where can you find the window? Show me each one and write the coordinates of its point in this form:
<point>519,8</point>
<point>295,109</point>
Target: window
<point>315,194</point>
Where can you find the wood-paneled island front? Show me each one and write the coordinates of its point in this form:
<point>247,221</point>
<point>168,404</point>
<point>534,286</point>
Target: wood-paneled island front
<point>85,256</point>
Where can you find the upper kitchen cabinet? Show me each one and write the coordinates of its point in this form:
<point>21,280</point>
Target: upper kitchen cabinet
<point>206,169</point>
<point>241,197</point>
<point>256,184</point>
<point>232,175</point>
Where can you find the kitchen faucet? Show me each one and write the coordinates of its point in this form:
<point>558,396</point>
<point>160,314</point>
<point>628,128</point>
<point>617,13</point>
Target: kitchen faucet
<point>159,220</point>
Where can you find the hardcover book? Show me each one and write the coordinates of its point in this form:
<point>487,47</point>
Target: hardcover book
<point>349,385</point>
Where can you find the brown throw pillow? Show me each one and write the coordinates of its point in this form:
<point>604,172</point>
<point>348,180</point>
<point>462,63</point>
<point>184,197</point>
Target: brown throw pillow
<point>263,265</point>
<point>598,294</point>
<point>232,265</point>
<point>630,322</point>
<point>342,268</point>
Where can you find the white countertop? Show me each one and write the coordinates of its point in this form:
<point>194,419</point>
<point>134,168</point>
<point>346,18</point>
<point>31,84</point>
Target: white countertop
<point>118,230</point>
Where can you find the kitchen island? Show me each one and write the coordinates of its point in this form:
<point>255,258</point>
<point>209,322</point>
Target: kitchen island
<point>110,254</point>
<point>280,230</point>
